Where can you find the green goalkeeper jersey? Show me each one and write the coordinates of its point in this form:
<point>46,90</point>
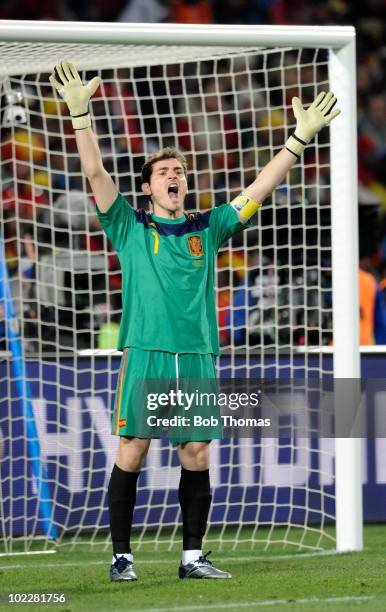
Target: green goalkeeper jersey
<point>168,301</point>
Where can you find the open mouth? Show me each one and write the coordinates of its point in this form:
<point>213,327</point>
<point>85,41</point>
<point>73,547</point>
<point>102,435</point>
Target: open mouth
<point>173,191</point>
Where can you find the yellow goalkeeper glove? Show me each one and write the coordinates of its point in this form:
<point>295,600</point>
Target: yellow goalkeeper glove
<point>310,121</point>
<point>67,83</point>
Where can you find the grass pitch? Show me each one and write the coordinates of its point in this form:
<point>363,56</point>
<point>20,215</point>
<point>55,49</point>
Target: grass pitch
<point>278,580</point>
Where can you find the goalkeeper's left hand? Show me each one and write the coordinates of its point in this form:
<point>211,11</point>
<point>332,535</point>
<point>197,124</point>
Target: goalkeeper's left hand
<point>310,121</point>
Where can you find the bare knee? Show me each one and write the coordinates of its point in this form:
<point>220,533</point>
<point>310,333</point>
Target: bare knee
<point>132,453</point>
<point>194,455</point>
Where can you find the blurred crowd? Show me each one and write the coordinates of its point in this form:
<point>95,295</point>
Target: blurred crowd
<point>254,294</point>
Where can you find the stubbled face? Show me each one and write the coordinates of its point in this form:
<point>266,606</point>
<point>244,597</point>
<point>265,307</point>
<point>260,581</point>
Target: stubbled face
<point>167,188</point>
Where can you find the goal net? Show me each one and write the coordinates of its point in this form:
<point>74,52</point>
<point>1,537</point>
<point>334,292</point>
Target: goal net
<point>229,110</point>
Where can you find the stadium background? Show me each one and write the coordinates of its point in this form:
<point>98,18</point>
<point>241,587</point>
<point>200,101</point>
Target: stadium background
<point>32,202</point>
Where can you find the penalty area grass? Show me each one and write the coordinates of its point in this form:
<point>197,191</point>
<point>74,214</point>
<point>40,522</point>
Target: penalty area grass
<point>280,581</point>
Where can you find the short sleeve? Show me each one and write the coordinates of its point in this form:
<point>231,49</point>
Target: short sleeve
<point>118,221</point>
<point>223,223</point>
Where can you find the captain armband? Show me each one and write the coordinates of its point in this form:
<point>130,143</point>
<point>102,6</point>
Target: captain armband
<point>245,206</point>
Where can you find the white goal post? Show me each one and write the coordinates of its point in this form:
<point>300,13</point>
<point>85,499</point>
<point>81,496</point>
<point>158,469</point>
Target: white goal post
<point>189,43</point>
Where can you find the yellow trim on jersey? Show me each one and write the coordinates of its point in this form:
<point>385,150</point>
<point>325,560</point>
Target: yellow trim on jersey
<point>156,242</point>
<point>245,206</point>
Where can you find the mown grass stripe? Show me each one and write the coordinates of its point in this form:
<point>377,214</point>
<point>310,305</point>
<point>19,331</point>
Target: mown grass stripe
<point>267,602</point>
<point>140,562</point>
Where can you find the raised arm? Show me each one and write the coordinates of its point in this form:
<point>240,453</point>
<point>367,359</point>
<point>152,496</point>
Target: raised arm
<point>308,124</point>
<point>67,82</point>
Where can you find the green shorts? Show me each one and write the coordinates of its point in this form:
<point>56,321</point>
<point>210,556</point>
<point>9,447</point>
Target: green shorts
<point>148,374</point>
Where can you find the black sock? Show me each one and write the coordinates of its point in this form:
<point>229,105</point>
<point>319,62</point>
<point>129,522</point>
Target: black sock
<point>122,494</point>
<point>195,499</point>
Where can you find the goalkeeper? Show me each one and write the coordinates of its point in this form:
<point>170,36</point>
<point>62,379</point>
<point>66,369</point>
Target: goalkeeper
<point>167,260</point>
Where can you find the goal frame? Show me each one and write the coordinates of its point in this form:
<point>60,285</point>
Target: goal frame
<point>344,209</point>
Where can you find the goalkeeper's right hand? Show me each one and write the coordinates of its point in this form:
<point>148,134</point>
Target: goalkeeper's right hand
<point>67,83</point>
<point>310,121</point>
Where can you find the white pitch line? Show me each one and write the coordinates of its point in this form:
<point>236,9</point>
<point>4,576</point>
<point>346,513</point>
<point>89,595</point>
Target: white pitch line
<point>30,552</point>
<point>271,559</point>
<point>267,602</point>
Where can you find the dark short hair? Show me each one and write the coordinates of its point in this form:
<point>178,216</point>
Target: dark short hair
<point>158,155</point>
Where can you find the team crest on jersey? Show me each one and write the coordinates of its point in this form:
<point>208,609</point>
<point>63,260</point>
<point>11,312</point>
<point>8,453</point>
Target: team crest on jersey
<point>195,246</point>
